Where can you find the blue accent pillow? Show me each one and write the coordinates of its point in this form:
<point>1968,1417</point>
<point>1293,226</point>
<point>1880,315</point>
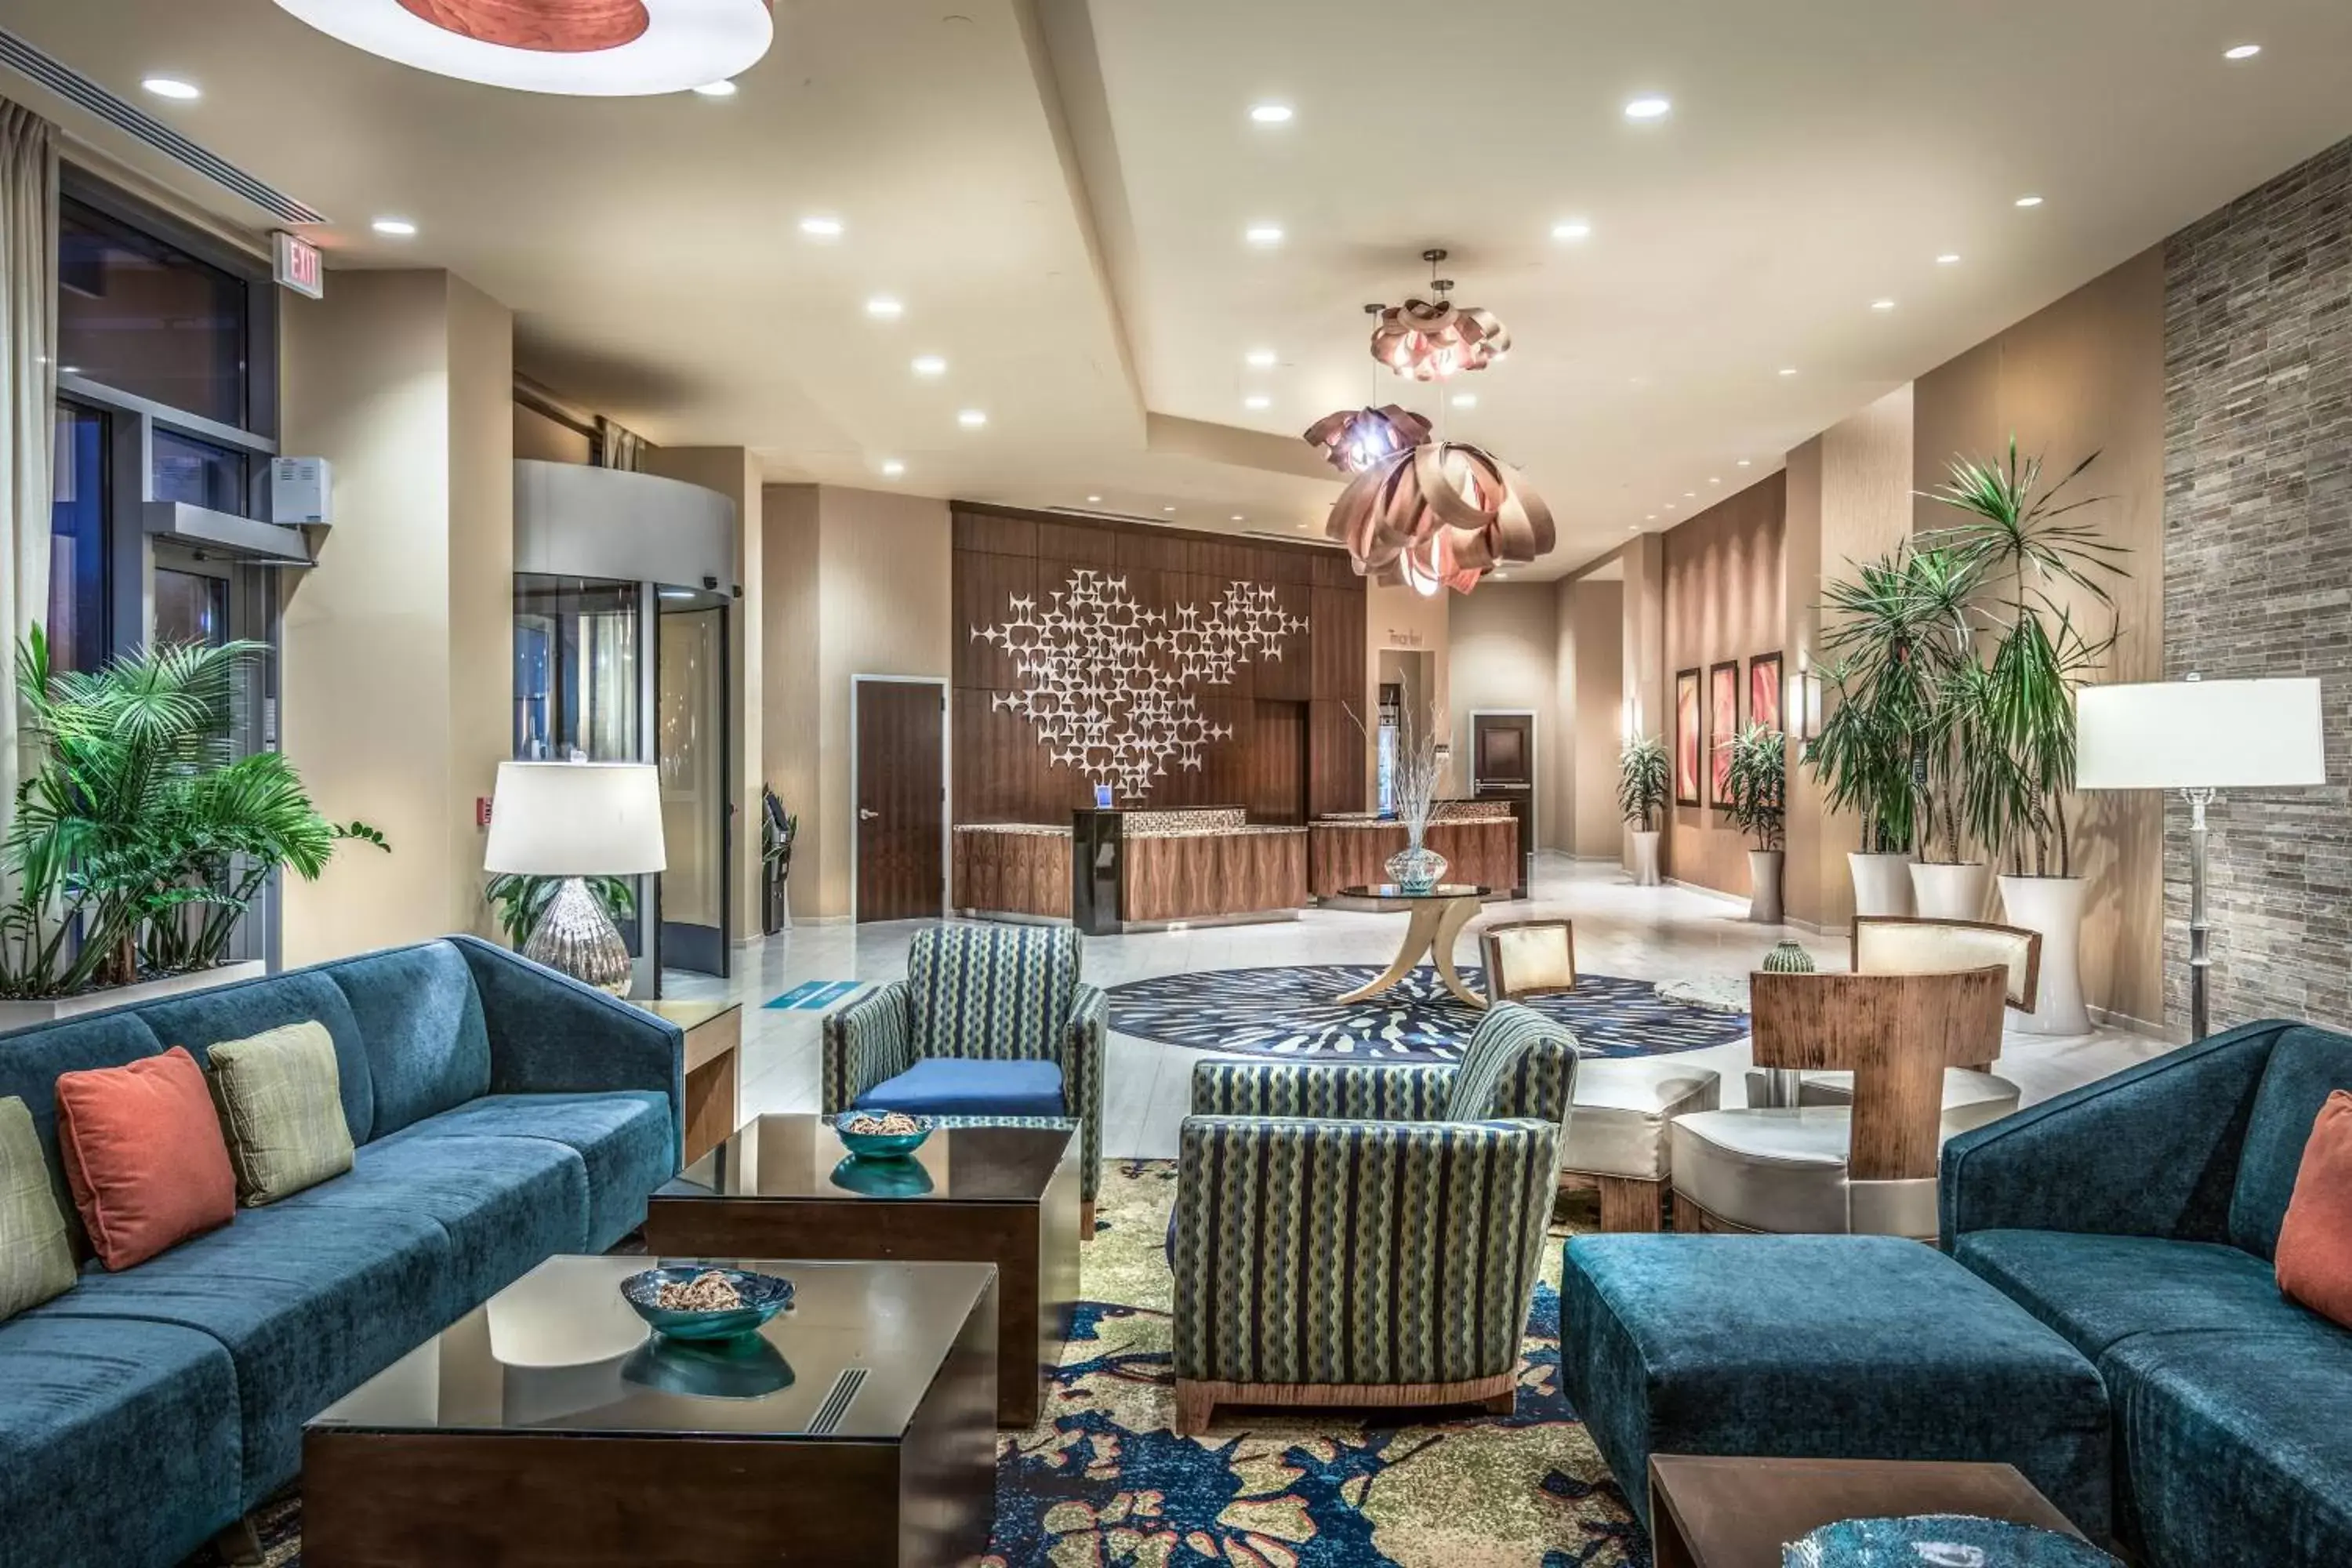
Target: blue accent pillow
<point>962,1085</point>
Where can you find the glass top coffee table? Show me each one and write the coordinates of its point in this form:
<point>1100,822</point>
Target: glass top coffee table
<point>1437,918</point>
<point>551,1425</point>
<point>784,1186</point>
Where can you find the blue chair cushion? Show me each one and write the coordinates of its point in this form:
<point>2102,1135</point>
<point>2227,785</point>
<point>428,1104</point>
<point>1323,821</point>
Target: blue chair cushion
<point>1822,1346</point>
<point>504,1203</point>
<point>2236,1447</point>
<point>428,1048</point>
<point>118,1440</point>
<point>2102,1291</point>
<point>2304,1066</point>
<point>204,1018</point>
<point>624,1139</point>
<point>309,1302</point>
<point>956,1085</point>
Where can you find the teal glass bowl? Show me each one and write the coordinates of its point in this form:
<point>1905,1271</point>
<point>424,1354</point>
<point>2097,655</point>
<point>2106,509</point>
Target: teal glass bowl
<point>876,1177</point>
<point>880,1145</point>
<point>764,1295</point>
<point>744,1367</point>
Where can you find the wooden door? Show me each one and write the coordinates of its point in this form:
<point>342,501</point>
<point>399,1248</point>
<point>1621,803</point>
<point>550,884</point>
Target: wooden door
<point>1503,751</point>
<point>901,800</point>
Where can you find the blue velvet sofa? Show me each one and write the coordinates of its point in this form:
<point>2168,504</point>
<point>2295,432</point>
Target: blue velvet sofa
<point>2137,1217</point>
<point>501,1113</point>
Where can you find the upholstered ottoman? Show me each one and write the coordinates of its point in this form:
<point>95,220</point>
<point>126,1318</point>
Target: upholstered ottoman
<point>1617,1132</point>
<point>1861,1347</point>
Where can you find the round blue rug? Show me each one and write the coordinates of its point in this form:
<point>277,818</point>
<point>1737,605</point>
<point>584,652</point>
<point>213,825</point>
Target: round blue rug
<point>1291,1011</point>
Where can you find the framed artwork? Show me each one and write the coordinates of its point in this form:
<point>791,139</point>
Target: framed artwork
<point>1764,691</point>
<point>1689,745</point>
<point>1722,723</point>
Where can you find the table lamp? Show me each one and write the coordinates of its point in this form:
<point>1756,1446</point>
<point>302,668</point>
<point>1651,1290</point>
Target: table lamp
<point>574,820</point>
<point>2199,737</point>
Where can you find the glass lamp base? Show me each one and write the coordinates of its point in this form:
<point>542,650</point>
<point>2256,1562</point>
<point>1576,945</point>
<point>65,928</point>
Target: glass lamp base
<point>577,937</point>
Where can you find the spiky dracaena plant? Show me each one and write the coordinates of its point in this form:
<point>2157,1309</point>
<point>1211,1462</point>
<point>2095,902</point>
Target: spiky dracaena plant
<point>139,838</point>
<point>1643,777</point>
<point>1755,784</point>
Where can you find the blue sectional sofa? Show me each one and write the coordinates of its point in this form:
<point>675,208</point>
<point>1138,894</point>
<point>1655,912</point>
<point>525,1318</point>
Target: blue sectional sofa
<point>2137,1217</point>
<point>501,1113</point>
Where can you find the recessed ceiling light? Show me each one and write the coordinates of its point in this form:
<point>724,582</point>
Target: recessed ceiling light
<point>1094,501</point>
<point>1271,113</point>
<point>883,307</point>
<point>1648,107</point>
<point>1239,517</point>
<point>1789,369</point>
<point>1667,506</point>
<point>2242,51</point>
<point>717,89</point>
<point>1949,259</point>
<point>821,228</point>
<point>2029,201</point>
<point>1167,508</point>
<point>930,364</point>
<point>172,87</point>
<point>1647,516</point>
<point>1260,359</point>
<point>1653,517</point>
<point>397,227</point>
<point>1257,400</point>
<point>1743,462</point>
<point>1713,480</point>
<point>1575,228</point>
<point>972,418</point>
<point>892,468</point>
<point>1882,304</point>
<point>1263,235</point>
<point>1465,400</point>
<point>1690,495</point>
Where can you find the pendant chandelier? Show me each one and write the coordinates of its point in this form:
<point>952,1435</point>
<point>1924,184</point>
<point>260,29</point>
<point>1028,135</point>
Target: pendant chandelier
<point>1355,440</point>
<point>1433,338</point>
<point>1440,515</point>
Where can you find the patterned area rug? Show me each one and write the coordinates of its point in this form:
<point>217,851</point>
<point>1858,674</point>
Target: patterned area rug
<point>1103,1482</point>
<point>1290,1012</point>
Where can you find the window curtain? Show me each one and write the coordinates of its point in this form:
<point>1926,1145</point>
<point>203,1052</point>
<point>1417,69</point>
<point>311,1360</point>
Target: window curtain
<point>618,446</point>
<point>29,313</point>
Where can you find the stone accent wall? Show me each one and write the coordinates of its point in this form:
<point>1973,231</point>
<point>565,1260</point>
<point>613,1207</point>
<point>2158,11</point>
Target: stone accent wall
<point>2258,572</point>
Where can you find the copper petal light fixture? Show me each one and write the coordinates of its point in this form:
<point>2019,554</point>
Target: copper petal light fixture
<point>1430,340</point>
<point>1442,515</point>
<point>1355,440</point>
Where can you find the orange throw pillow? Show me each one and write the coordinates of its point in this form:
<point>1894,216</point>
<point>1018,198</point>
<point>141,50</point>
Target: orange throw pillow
<point>2314,1243</point>
<point>143,1152</point>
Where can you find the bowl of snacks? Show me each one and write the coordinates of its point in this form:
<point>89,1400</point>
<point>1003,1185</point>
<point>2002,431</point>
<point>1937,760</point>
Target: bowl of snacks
<point>701,1301</point>
<point>882,1134</point>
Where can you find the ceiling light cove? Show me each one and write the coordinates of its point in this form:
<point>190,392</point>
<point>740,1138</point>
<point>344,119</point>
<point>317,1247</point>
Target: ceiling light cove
<point>2029,201</point>
<point>2242,51</point>
<point>930,364</point>
<point>883,307</point>
<point>582,49</point>
<point>972,418</point>
<point>395,227</point>
<point>821,228</point>
<point>1649,106</point>
<point>1265,235</point>
<point>172,87</point>
<point>1271,113</point>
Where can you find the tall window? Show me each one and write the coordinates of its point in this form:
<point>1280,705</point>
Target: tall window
<point>147,318</point>
<point>78,541</point>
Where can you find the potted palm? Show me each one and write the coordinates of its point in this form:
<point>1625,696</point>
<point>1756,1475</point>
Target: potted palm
<point>138,839</point>
<point>2022,705</point>
<point>1756,785</point>
<point>1643,781</point>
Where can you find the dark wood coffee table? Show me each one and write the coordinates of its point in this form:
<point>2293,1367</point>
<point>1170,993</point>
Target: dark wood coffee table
<point>783,1186</point>
<point>1708,1512</point>
<point>548,1427</point>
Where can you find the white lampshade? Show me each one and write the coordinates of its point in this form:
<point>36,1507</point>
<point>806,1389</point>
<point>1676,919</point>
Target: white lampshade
<point>576,820</point>
<point>2199,734</point>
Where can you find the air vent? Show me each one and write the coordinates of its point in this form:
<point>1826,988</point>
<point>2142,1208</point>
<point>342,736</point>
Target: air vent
<point>1315,539</point>
<point>828,1417</point>
<point>69,83</point>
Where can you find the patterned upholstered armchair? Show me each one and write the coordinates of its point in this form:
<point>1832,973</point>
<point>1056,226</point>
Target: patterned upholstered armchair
<point>1367,1234</point>
<point>990,1024</point>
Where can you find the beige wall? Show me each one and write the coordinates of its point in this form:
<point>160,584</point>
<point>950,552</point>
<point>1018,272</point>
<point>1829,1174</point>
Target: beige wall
<point>397,679</point>
<point>1648,688</point>
<point>2086,374</point>
<point>1723,603</point>
<point>788,657</point>
<point>537,435</point>
<point>1592,685</point>
<point>1397,617</point>
<point>1503,653</point>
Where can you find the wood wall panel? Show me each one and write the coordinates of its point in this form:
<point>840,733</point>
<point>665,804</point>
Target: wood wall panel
<point>1013,873</point>
<point>1206,875</point>
<point>1291,678</point>
<point>1335,760</point>
<point>1077,544</point>
<point>984,586</point>
<point>1482,853</point>
<point>1338,661</point>
<point>995,532</point>
<point>1275,787</point>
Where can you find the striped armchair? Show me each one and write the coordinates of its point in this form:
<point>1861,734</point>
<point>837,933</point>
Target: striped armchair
<point>991,1024</point>
<point>1367,1234</point>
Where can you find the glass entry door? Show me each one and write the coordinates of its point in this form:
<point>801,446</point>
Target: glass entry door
<point>691,742</point>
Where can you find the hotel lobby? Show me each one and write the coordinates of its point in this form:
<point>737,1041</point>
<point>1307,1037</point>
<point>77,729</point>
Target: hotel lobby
<point>1076,781</point>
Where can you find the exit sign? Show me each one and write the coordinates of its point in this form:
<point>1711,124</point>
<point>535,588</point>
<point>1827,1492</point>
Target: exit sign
<point>299,266</point>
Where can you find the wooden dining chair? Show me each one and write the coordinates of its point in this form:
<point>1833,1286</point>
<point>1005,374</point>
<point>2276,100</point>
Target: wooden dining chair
<point>1529,958</point>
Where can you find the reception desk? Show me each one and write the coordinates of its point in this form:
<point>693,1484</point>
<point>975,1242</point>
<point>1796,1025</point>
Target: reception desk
<point>1480,841</point>
<point>1146,869</point>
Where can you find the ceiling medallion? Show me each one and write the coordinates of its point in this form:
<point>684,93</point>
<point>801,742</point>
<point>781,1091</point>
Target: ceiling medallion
<point>1355,440</point>
<point>1440,515</point>
<point>585,49</point>
<point>1430,340</point>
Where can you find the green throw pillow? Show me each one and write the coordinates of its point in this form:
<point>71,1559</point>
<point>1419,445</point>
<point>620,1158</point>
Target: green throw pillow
<point>37,1260</point>
<point>281,1105</point>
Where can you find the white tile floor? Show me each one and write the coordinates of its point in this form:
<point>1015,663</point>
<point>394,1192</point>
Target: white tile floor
<point>1649,934</point>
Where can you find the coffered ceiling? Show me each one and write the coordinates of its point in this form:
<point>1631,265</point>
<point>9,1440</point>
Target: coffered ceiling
<point>1058,196</point>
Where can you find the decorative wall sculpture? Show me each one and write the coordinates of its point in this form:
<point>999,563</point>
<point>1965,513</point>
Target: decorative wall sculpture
<point>1107,682</point>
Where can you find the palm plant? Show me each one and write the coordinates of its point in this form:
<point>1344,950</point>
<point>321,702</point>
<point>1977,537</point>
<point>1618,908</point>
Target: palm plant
<point>2021,710</point>
<point>1755,784</point>
<point>139,838</point>
<point>1643,779</point>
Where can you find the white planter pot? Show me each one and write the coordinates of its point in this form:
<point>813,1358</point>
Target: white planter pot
<point>1645,858</point>
<point>2052,906</point>
<point>49,1009</point>
<point>1764,886</point>
<point>1947,892</point>
<point>1882,883</point>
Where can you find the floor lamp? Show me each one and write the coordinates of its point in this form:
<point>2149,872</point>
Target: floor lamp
<point>2199,737</point>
